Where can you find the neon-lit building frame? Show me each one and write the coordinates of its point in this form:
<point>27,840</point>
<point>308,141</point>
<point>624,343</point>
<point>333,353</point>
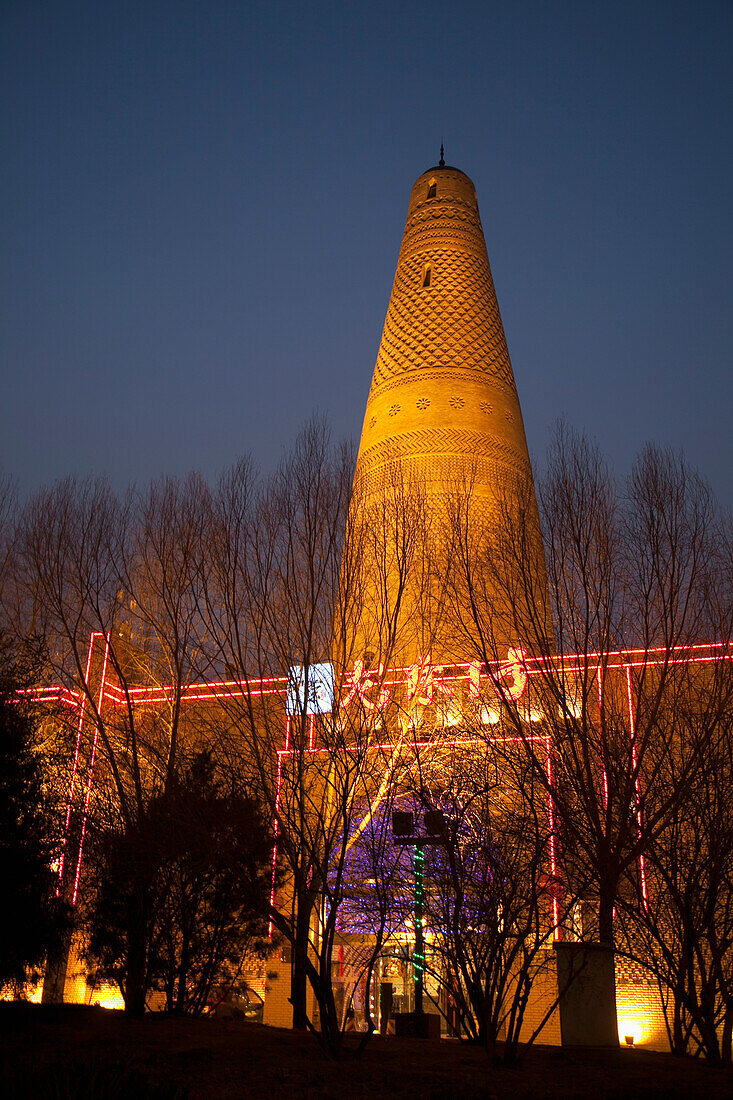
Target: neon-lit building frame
<point>617,672</point>
<point>372,688</point>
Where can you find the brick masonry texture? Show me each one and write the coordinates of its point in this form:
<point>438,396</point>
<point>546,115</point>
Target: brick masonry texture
<point>443,397</point>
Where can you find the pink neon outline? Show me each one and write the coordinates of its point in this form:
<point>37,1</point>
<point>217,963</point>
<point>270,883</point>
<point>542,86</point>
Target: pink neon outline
<point>168,692</point>
<point>600,719</point>
<point>632,727</point>
<point>91,775</point>
<point>72,784</point>
<point>551,818</point>
<point>276,828</point>
<point>616,660</point>
<point>54,694</point>
<point>535,666</point>
<point>379,747</point>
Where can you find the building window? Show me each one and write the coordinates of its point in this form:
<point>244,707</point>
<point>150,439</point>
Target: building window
<point>426,274</point>
<point>432,189</point>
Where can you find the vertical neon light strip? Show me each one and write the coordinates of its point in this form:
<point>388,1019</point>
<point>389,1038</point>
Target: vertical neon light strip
<point>600,721</point>
<point>312,732</point>
<point>632,727</point>
<point>72,785</point>
<point>275,826</point>
<point>91,773</point>
<point>287,734</point>
<point>553,861</point>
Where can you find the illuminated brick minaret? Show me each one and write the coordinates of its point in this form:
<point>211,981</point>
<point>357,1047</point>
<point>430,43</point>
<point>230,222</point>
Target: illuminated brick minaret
<point>443,403</point>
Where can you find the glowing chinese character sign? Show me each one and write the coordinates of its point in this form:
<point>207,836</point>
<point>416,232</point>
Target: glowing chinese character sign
<point>509,678</point>
<point>424,681</point>
<point>361,685</point>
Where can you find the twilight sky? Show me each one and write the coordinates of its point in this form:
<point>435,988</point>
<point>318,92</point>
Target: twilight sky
<point>202,203</point>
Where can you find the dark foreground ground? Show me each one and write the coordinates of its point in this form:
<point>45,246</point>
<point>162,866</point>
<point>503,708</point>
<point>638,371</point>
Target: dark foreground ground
<point>76,1052</point>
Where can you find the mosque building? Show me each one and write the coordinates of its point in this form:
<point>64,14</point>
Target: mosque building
<point>443,416</point>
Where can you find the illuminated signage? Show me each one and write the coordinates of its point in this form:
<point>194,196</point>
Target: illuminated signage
<point>317,697</point>
<point>423,682</point>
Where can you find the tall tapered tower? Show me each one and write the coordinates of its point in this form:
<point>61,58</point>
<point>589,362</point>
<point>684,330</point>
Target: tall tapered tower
<point>443,404</point>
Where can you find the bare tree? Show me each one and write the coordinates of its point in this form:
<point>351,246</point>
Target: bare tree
<point>304,581</point>
<point>680,928</point>
<point>615,570</point>
<point>120,572</point>
<point>490,900</point>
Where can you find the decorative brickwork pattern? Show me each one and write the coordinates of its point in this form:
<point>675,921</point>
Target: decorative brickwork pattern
<point>376,480</point>
<point>420,376</point>
<point>443,408</point>
<point>629,971</point>
<point>443,442</point>
<point>455,321</point>
<point>448,336</point>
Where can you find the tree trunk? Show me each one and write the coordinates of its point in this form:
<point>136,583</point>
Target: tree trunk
<point>55,974</point>
<point>606,904</point>
<point>136,968</point>
<point>135,984</point>
<point>182,978</point>
<point>299,975</point>
<point>679,1042</point>
<point>727,1038</point>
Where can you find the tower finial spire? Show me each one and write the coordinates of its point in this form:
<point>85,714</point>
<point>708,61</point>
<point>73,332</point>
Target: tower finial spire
<point>441,162</point>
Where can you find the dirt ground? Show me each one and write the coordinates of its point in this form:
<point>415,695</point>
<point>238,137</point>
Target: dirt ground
<point>70,1051</point>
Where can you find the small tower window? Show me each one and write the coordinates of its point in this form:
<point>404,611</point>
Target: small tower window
<point>432,189</point>
<point>427,272</point>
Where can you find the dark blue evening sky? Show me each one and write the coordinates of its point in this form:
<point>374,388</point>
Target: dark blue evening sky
<point>202,204</point>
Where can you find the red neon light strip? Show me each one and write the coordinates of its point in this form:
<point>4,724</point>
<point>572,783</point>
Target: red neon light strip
<point>632,727</point>
<point>91,776</point>
<point>535,666</point>
<point>233,686</point>
<point>55,694</point>
<point>275,826</point>
<point>540,663</point>
<point>165,694</point>
<point>551,820</point>
<point>82,708</point>
<point>600,720</point>
<point>379,747</point>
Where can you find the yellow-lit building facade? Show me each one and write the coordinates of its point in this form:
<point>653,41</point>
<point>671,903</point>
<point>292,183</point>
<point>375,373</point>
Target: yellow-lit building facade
<point>443,414</point>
